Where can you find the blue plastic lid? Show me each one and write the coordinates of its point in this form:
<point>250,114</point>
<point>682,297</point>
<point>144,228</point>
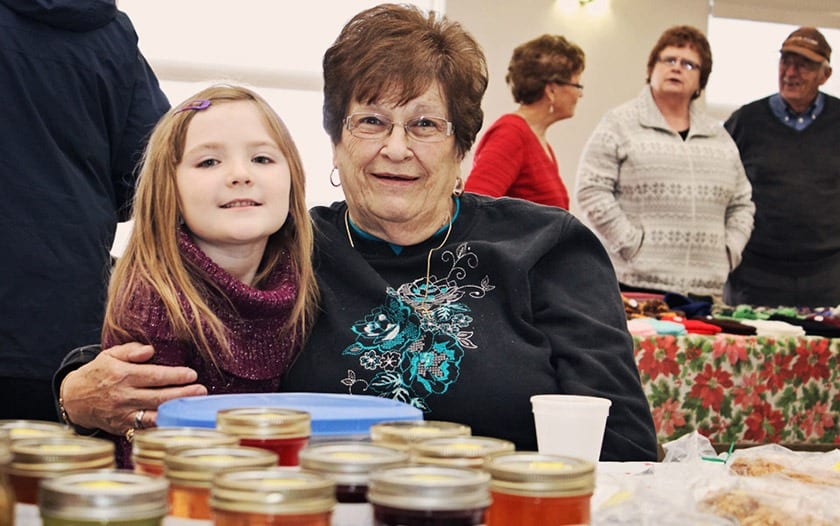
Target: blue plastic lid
<point>338,415</point>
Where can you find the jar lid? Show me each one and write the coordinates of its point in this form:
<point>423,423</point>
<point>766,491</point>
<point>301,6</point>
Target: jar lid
<point>5,452</point>
<point>152,443</point>
<point>350,462</point>
<point>429,488</point>
<point>103,495</point>
<point>528,473</point>
<point>264,422</point>
<point>406,433</point>
<point>469,451</point>
<point>54,454</point>
<point>272,491</point>
<point>195,466</point>
<point>21,429</point>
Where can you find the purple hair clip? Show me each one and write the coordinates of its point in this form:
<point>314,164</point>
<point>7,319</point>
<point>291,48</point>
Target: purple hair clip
<point>198,104</point>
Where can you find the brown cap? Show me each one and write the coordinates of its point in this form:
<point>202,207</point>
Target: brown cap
<point>808,42</point>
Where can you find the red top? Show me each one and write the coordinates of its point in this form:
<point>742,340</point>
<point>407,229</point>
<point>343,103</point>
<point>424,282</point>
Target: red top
<point>510,161</point>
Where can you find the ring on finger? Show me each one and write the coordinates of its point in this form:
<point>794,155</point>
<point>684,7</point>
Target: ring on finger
<point>138,419</point>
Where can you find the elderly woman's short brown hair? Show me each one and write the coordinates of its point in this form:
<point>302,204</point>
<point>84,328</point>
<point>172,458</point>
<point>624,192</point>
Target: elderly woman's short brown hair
<point>545,59</point>
<point>394,53</point>
<point>684,36</point>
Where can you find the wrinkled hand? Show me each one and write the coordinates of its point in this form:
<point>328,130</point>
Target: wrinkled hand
<point>108,392</point>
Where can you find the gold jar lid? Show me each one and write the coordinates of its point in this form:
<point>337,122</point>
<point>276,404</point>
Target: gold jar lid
<point>196,466</point>
<point>272,491</point>
<point>22,429</point>
<point>405,433</point>
<point>49,455</point>
<point>533,474</point>
<point>5,452</point>
<point>264,422</point>
<point>432,488</point>
<point>103,495</point>
<point>469,451</point>
<point>150,444</point>
<point>350,463</point>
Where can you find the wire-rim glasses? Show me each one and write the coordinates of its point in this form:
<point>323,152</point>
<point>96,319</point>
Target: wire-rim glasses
<point>374,126</point>
<point>682,62</point>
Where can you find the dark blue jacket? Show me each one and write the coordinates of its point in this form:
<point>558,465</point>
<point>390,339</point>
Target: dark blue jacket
<point>77,102</point>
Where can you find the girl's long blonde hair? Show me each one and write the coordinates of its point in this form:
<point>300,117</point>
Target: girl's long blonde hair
<point>152,260</point>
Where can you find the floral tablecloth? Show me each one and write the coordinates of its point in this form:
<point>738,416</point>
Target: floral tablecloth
<point>743,389</point>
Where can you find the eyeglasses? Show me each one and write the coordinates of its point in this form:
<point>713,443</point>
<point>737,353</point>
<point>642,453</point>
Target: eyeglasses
<point>375,126</point>
<point>567,83</point>
<point>683,63</point>
<point>798,62</point>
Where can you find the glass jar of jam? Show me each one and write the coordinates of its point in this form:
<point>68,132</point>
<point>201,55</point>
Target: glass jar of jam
<point>349,464</point>
<point>429,496</point>
<point>103,498</point>
<point>272,497</point>
<point>19,429</point>
<point>466,452</point>
<point>34,459</point>
<point>284,431</point>
<point>403,434</point>
<point>190,471</point>
<point>149,445</point>
<point>7,497</point>
<point>531,489</point>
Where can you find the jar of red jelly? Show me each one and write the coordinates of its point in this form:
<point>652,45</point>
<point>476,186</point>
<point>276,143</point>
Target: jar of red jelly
<point>429,496</point>
<point>272,497</point>
<point>190,471</point>
<point>103,498</point>
<point>7,497</point>
<point>530,489</point>
<point>35,459</point>
<point>465,452</point>
<point>284,431</point>
<point>403,434</point>
<point>20,429</point>
<point>149,445</point>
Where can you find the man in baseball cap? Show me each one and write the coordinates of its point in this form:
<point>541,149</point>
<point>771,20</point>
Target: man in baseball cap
<point>788,144</point>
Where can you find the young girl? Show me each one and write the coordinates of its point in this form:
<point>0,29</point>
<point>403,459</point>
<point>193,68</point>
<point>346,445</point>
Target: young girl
<point>217,273</point>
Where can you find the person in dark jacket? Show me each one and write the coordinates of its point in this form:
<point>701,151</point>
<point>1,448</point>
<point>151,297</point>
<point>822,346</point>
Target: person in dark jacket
<point>79,100</point>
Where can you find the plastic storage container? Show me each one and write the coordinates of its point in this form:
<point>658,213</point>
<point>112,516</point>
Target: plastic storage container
<point>429,496</point>
<point>404,435</point>
<point>150,445</point>
<point>530,489</point>
<point>283,431</point>
<point>334,416</point>
<point>103,498</point>
<point>272,497</point>
<point>349,464</point>
<point>465,452</point>
<point>190,471</point>
<point>34,459</point>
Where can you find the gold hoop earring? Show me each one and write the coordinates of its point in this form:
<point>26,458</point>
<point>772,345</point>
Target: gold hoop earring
<point>459,187</point>
<point>332,181</point>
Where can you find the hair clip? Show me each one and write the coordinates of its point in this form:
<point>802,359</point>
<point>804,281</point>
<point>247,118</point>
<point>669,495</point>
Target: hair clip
<point>198,104</point>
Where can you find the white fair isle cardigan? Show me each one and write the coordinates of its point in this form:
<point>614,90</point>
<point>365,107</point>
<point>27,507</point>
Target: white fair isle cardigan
<point>674,214</point>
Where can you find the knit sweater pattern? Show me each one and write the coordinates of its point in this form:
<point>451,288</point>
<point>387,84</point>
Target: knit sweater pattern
<point>674,214</point>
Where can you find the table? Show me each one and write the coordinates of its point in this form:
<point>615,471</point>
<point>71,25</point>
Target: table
<point>743,389</point>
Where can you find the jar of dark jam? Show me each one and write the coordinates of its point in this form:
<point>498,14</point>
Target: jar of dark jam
<point>530,489</point>
<point>190,471</point>
<point>149,445</point>
<point>429,496</point>
<point>272,497</point>
<point>403,434</point>
<point>103,498</point>
<point>349,464</point>
<point>465,452</point>
<point>35,459</point>
<point>283,431</point>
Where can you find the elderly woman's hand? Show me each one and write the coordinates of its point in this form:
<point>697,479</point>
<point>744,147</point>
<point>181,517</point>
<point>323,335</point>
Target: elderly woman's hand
<point>110,392</point>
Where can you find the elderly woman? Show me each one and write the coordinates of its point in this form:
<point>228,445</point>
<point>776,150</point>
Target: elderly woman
<point>662,183</point>
<point>513,157</point>
<point>461,305</point>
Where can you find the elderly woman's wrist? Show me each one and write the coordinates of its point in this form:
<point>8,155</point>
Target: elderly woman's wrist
<point>65,416</point>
